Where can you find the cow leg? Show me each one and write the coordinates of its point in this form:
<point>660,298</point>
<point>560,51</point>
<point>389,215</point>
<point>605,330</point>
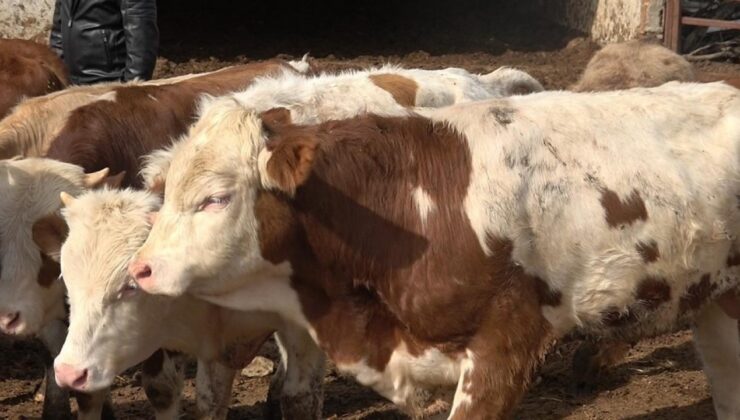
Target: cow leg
<point>716,339</point>
<point>302,394</point>
<point>162,376</point>
<point>56,399</point>
<point>213,384</point>
<point>93,406</point>
<point>593,357</point>
<point>272,407</point>
<point>500,359</point>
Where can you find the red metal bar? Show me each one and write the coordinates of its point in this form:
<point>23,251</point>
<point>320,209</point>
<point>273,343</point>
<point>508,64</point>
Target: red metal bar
<point>710,23</point>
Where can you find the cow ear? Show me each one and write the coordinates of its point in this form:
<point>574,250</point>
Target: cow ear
<point>288,164</point>
<point>49,234</point>
<point>275,118</point>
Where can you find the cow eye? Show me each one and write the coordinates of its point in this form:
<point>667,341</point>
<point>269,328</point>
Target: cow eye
<point>215,202</point>
<point>129,289</point>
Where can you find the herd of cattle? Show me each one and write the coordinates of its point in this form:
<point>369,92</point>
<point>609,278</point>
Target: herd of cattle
<point>432,232</point>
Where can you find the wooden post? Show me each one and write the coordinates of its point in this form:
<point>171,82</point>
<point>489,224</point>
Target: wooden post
<point>672,23</point>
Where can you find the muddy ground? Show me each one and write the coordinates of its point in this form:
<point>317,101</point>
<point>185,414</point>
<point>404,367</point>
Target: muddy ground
<point>661,377</point>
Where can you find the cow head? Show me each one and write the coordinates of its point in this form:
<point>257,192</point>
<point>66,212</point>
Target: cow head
<point>31,234</point>
<point>112,326</point>
<point>205,238</point>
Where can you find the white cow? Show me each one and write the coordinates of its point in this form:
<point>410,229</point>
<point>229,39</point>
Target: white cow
<point>118,327</point>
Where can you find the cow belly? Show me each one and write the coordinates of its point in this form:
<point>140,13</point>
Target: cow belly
<point>410,381</point>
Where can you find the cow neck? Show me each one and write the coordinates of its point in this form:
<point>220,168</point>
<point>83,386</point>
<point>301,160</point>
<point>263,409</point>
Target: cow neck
<point>376,235</point>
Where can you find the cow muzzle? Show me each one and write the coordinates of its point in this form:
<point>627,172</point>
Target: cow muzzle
<point>11,322</point>
<point>68,376</point>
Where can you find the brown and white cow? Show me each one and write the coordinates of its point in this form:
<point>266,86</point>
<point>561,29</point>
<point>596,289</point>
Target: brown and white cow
<point>27,69</point>
<point>448,248</point>
<point>108,126</point>
<point>616,67</point>
<point>129,121</point>
<point>32,125</point>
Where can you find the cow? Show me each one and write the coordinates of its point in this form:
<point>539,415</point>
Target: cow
<point>28,69</point>
<point>386,90</point>
<point>616,67</point>
<point>104,126</point>
<point>111,320</point>
<point>445,249</point>
<point>633,64</point>
<point>126,122</point>
<point>32,125</point>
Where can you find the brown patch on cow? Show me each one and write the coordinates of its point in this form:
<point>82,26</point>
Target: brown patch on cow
<point>547,296</point>
<point>622,212</point>
<point>274,118</point>
<point>277,224</point>
<point>365,298</point>
<point>652,292</point>
<point>116,134</point>
<point>154,364</point>
<point>49,272</point>
<point>503,115</point>
<point>48,234</point>
<point>513,334</point>
<point>401,88</point>
<point>697,294</point>
<point>648,251</point>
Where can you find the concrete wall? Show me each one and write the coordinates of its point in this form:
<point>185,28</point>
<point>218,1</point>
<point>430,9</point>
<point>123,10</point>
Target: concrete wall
<point>28,19</point>
<point>608,20</point>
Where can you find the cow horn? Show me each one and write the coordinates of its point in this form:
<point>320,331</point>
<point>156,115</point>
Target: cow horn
<point>94,179</point>
<point>67,199</point>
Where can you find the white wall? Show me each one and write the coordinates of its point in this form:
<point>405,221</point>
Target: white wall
<point>607,20</point>
<point>28,19</point>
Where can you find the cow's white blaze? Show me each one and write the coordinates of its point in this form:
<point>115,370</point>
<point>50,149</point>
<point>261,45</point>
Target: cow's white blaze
<point>424,203</point>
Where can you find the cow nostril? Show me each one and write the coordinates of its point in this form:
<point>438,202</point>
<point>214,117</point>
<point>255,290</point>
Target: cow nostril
<point>145,272</point>
<point>141,271</point>
<point>81,380</point>
<point>10,320</point>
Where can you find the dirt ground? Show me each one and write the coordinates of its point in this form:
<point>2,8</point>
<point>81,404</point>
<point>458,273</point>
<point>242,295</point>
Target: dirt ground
<point>660,379</point>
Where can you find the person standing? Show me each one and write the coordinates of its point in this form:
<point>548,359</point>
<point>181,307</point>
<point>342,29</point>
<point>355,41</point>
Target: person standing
<point>106,40</point>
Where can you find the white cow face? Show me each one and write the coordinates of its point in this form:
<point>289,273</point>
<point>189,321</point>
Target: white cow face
<point>31,233</point>
<point>205,235</point>
<point>112,325</point>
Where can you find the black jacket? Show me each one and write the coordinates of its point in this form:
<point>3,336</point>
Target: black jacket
<point>106,40</point>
